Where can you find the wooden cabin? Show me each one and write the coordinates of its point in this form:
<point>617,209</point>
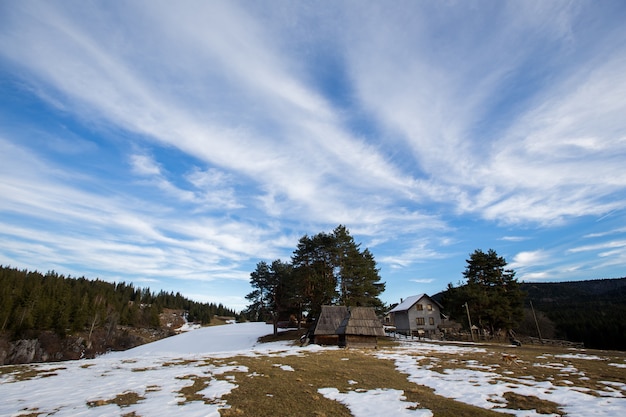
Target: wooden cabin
<point>348,327</point>
<point>360,328</point>
<point>326,327</point>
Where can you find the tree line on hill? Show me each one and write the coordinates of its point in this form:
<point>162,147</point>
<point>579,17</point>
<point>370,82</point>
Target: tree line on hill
<point>328,268</point>
<point>591,311</point>
<point>32,302</point>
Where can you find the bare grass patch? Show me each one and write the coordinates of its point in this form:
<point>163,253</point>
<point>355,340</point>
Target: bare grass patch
<point>530,402</point>
<point>191,392</point>
<point>270,390</point>
<point>122,400</point>
<point>15,373</point>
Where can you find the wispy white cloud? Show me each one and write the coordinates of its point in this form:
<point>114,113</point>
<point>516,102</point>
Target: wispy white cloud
<point>144,165</point>
<point>233,128</point>
<point>437,98</point>
<point>606,233</point>
<point>305,140</point>
<point>529,259</point>
<point>537,276</point>
<point>423,280</point>
<point>419,251</point>
<point>514,238</point>
<point>120,230</point>
<point>599,246</point>
<point>448,151</point>
<point>209,189</point>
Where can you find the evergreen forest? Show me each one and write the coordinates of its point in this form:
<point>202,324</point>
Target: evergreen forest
<point>592,311</point>
<point>32,302</point>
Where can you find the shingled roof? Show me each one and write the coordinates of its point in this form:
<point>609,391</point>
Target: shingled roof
<point>361,321</point>
<point>330,319</point>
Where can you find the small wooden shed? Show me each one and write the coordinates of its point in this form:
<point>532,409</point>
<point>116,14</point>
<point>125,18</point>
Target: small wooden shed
<point>330,319</point>
<point>353,327</point>
<point>360,328</point>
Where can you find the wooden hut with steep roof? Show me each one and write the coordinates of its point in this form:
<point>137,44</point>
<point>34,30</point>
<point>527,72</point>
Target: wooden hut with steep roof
<point>360,328</point>
<point>330,319</point>
<point>348,327</point>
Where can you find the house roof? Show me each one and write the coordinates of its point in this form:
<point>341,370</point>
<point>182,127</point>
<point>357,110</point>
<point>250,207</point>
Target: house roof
<point>361,321</point>
<point>330,318</point>
<point>407,303</point>
<point>410,302</point>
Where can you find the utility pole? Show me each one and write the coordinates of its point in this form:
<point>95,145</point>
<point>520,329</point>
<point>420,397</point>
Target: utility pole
<point>469,320</point>
<point>536,322</point>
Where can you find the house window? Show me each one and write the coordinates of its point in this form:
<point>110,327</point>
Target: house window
<point>429,307</point>
<point>420,321</point>
<point>431,321</point>
<point>419,307</point>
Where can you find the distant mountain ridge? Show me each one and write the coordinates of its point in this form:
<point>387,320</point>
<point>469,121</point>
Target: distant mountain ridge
<point>590,311</point>
<point>609,287</point>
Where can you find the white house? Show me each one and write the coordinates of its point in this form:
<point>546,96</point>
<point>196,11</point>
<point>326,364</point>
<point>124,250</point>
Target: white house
<point>418,314</point>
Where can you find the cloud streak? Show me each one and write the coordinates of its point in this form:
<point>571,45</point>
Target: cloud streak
<point>207,136</point>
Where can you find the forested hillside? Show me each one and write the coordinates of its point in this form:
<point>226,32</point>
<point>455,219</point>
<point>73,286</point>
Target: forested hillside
<point>592,312</point>
<point>34,305</point>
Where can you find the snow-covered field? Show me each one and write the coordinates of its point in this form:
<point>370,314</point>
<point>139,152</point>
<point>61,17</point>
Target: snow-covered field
<point>148,380</point>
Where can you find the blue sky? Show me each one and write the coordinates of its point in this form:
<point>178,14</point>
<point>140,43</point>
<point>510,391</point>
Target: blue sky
<point>176,144</point>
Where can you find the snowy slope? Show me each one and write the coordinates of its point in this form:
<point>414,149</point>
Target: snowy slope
<point>227,338</point>
<point>156,374</point>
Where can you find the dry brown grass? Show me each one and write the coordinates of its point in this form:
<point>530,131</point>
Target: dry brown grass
<point>191,392</point>
<point>30,412</point>
<point>26,372</point>
<point>268,390</point>
<point>122,400</point>
<point>530,402</point>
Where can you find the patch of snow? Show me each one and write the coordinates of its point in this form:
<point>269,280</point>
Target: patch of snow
<point>374,403</point>
<point>217,389</point>
<point>213,339</point>
<point>580,356</point>
<point>284,367</point>
<point>618,365</point>
<point>615,384</point>
<point>188,327</point>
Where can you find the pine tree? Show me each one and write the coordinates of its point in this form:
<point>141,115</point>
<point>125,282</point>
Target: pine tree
<point>274,292</point>
<point>332,269</point>
<point>492,293</point>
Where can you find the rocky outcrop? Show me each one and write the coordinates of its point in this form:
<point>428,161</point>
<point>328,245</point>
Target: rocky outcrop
<point>24,351</point>
<point>50,347</point>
